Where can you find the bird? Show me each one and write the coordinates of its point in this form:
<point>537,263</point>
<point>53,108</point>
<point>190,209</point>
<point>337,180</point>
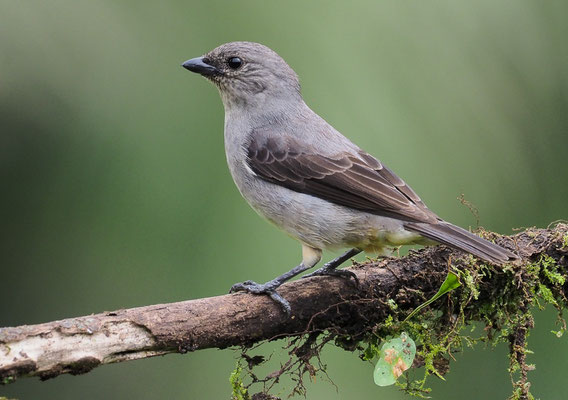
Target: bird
<point>301,174</point>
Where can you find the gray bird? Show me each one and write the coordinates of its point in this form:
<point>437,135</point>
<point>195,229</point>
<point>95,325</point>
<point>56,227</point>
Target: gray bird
<point>301,174</point>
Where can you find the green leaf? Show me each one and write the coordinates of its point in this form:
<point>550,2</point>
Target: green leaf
<point>450,283</point>
<point>397,356</point>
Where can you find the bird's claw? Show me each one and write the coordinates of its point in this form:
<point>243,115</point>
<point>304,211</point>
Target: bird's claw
<point>246,286</point>
<point>257,288</point>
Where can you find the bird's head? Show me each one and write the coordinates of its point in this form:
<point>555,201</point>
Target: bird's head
<point>247,74</point>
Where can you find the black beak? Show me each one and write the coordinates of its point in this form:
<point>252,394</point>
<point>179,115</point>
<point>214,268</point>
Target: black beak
<point>200,66</point>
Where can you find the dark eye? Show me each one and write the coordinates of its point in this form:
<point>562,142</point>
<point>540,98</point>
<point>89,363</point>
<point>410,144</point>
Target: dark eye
<point>234,62</point>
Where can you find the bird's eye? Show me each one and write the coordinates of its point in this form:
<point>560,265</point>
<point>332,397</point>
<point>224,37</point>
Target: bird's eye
<point>234,62</point>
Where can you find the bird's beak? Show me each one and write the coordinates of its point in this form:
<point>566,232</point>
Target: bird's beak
<point>200,66</point>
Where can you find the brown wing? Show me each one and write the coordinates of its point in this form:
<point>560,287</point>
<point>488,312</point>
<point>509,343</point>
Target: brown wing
<point>356,181</point>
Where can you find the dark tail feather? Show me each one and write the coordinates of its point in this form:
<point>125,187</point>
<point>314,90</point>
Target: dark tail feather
<point>458,238</point>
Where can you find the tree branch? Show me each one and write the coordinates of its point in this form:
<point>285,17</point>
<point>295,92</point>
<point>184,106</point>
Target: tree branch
<point>77,345</point>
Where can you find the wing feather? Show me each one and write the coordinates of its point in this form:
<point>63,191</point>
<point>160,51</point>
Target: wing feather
<point>358,181</point>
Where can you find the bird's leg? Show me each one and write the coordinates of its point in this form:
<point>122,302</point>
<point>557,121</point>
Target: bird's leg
<point>269,288</point>
<point>310,257</point>
<point>330,268</point>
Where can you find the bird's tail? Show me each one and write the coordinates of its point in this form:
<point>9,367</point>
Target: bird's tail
<point>458,238</point>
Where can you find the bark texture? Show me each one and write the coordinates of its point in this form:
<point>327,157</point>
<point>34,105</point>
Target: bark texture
<point>77,345</point>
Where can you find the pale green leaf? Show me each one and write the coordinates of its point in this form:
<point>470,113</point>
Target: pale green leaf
<point>396,357</point>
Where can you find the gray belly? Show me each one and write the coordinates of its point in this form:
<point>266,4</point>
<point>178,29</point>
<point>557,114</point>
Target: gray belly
<point>319,223</point>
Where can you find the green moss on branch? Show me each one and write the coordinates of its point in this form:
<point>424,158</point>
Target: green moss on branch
<point>502,299</point>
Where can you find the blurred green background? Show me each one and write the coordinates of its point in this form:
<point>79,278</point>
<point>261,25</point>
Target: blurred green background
<point>115,192</point>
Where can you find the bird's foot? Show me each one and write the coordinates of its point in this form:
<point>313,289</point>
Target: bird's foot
<point>331,271</point>
<point>268,288</point>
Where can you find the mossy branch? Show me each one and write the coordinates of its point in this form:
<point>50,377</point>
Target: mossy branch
<point>389,289</point>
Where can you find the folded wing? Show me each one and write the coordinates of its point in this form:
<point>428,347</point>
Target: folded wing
<point>354,180</point>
